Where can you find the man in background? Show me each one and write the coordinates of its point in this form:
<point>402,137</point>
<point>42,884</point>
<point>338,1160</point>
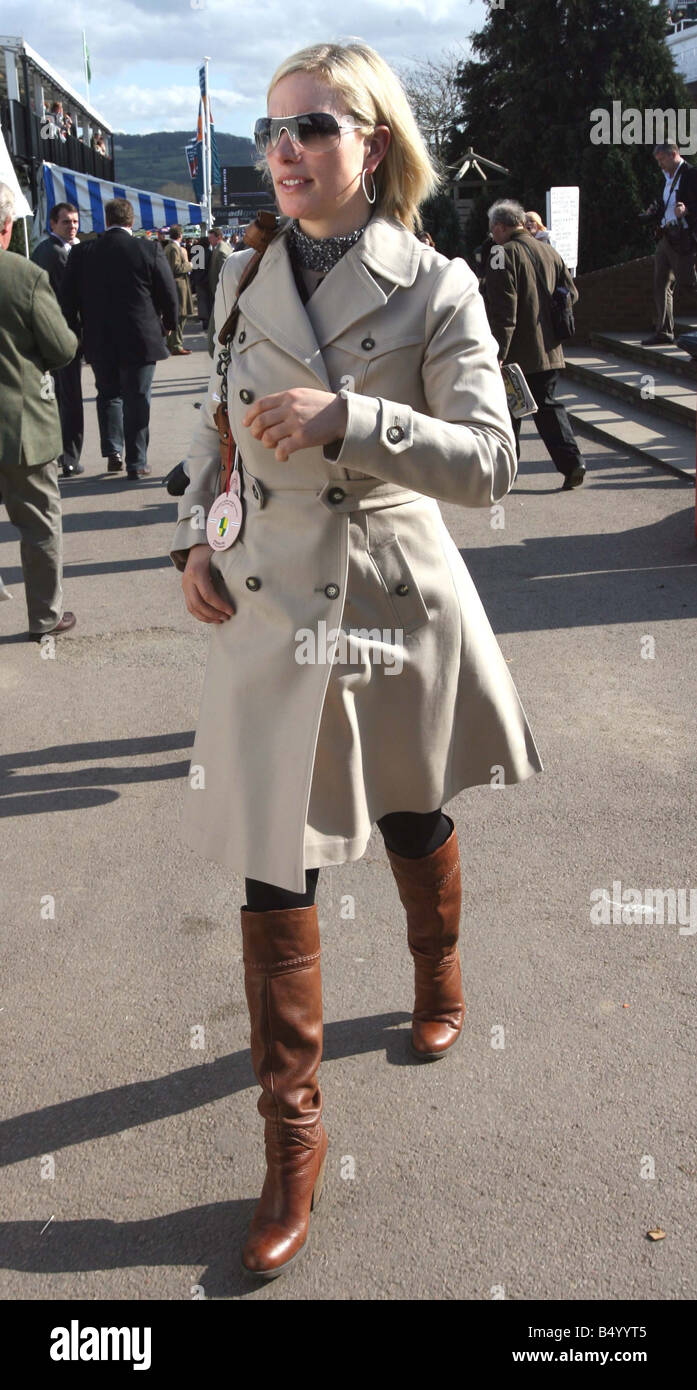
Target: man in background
<point>34,339</point>
<point>221,250</point>
<point>675,213</point>
<point>520,319</point>
<point>181,269</point>
<point>52,255</point>
<point>115,292</point>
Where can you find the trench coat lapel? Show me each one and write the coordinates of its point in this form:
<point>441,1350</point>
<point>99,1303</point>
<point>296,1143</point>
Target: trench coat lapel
<point>386,256</point>
<point>272,304</point>
<point>351,293</point>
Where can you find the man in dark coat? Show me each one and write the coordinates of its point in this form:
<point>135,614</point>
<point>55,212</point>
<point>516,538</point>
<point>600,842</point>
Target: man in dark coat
<point>34,340</point>
<point>521,322</point>
<point>221,250</point>
<point>675,214</point>
<point>52,255</point>
<point>119,292</point>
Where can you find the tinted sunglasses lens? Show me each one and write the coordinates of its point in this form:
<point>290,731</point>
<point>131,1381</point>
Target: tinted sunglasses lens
<point>262,129</point>
<point>315,131</point>
<point>318,131</point>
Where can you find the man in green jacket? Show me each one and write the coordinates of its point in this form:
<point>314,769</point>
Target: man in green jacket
<point>520,320</point>
<point>181,270</point>
<point>34,339</point>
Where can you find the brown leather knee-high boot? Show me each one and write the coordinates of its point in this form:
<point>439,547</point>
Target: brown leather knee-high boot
<point>283,984</point>
<point>430,890</point>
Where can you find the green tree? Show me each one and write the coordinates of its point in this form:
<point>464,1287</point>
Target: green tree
<point>441,220</point>
<point>542,68</point>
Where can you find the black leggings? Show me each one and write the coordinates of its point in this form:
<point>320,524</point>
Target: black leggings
<point>408,833</point>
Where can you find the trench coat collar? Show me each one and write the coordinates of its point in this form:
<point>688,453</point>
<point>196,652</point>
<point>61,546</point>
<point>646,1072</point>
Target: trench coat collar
<point>349,294</point>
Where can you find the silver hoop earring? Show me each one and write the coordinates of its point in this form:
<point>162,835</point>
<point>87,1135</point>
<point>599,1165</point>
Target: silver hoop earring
<point>375,192</point>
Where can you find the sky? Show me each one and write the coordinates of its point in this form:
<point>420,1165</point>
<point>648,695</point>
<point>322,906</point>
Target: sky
<point>145,54</point>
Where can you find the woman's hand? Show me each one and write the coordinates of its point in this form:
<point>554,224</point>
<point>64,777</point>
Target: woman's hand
<point>297,419</point>
<point>202,597</point>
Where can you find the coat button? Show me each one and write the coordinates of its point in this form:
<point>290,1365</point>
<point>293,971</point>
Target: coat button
<point>242,336</point>
<point>402,589</point>
<point>246,396</point>
<point>332,590</point>
<point>253,582</point>
<point>368,344</point>
<point>395,433</point>
<point>336,494</point>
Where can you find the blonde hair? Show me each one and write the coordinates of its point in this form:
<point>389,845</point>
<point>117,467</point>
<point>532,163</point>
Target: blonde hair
<point>374,96</point>
<point>537,220</point>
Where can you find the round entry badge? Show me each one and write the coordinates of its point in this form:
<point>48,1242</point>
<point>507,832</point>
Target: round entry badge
<point>224,521</point>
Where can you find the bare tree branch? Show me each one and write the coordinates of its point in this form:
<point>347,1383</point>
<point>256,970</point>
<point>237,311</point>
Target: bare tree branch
<point>434,97</point>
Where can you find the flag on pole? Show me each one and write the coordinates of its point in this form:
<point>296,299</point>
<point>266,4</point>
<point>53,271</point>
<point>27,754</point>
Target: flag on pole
<point>193,159</point>
<point>215,162</point>
<point>86,56</point>
<point>194,156</point>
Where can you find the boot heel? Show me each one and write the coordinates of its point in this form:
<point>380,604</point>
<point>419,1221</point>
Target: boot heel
<point>317,1189</point>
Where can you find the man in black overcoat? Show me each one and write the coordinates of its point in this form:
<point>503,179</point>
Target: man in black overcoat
<point>119,294</point>
<point>52,255</point>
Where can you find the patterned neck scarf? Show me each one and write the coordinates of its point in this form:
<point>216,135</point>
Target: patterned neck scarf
<point>321,255</point>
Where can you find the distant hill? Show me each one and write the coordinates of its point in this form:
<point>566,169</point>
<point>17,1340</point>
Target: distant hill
<point>157,163</point>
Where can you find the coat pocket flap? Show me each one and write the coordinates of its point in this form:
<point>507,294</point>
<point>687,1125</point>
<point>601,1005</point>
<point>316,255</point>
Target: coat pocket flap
<point>398,579</point>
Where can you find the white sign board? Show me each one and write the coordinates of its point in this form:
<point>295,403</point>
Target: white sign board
<point>562,220</point>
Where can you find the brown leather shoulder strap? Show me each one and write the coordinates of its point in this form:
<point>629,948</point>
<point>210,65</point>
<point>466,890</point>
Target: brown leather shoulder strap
<point>259,235</point>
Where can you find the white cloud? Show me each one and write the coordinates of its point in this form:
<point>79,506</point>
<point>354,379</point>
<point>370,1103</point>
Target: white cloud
<point>135,108</point>
<point>140,49</point>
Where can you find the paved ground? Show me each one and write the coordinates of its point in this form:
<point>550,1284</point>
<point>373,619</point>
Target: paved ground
<point>539,1166</point>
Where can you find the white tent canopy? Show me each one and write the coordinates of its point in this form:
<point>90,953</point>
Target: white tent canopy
<point>8,176</point>
<point>90,195</point>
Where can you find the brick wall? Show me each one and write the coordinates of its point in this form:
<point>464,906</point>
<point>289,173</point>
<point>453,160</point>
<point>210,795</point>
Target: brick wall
<point>620,297</point>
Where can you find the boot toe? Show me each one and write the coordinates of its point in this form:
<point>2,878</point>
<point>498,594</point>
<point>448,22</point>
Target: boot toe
<point>432,1039</point>
<point>273,1250</point>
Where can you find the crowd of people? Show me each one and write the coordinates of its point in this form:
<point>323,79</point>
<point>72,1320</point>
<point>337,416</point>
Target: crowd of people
<point>62,127</point>
<point>119,302</point>
<point>123,336</point>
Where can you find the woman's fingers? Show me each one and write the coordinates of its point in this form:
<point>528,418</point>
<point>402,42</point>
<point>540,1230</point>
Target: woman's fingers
<point>262,406</point>
<point>202,598</point>
<point>264,420</point>
<point>203,611</point>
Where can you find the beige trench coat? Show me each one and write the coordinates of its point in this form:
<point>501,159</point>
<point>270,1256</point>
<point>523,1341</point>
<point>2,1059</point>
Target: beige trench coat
<point>181,270</point>
<point>297,753</point>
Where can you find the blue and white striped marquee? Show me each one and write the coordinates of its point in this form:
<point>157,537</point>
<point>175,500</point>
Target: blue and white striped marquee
<point>89,195</point>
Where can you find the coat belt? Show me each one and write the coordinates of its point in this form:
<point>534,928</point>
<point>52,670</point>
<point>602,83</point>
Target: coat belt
<point>359,495</point>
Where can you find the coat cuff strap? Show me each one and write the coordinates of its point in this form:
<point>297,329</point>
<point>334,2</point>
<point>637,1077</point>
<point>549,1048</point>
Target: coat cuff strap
<point>372,423</point>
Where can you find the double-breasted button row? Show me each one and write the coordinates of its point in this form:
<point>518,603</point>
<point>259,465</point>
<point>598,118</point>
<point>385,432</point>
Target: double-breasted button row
<point>254,583</point>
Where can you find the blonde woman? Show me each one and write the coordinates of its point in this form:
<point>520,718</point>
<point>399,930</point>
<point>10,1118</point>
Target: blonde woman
<point>352,677</point>
<point>536,227</point>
